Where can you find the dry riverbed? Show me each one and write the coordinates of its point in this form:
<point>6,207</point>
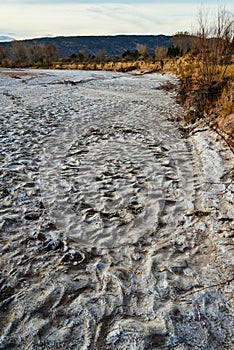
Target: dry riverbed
<point>116,224</point>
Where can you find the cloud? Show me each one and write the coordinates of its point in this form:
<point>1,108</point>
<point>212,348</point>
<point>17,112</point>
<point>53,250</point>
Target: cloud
<point>74,2</point>
<point>38,19</point>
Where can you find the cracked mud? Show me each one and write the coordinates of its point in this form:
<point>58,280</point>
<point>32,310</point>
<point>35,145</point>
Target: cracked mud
<point>116,230</point>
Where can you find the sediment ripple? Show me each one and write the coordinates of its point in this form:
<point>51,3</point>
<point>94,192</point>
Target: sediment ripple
<point>116,229</point>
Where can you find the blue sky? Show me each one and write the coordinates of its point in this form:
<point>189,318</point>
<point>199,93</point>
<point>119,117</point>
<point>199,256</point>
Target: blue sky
<point>33,18</point>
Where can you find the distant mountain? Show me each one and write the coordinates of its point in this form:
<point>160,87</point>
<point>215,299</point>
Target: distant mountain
<point>5,38</point>
<point>91,45</point>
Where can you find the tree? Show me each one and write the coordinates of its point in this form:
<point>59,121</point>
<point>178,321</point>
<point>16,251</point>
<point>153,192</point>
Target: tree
<point>3,54</point>
<point>215,44</point>
<point>160,52</point>
<point>130,55</point>
<point>174,51</point>
<point>184,41</point>
<point>214,50</point>
<point>142,49</point>
<point>50,52</point>
<point>73,57</point>
<point>101,56</point>
<point>19,52</point>
<point>36,53</point>
<point>81,56</point>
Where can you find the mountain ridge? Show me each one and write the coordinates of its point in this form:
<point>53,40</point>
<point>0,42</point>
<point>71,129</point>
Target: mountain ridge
<point>4,38</point>
<point>113,45</point>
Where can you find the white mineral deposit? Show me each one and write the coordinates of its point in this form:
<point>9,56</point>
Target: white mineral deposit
<point>116,218</point>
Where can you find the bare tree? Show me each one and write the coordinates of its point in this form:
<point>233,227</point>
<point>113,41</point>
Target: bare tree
<point>36,52</point>
<point>50,52</point>
<point>19,52</point>
<point>3,54</point>
<point>142,49</point>
<point>183,40</point>
<point>160,52</point>
<point>101,56</point>
<point>214,51</point>
<point>215,45</point>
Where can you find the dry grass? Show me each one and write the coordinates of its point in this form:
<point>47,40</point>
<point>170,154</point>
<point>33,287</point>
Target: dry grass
<point>230,71</point>
<point>119,66</point>
<point>226,100</point>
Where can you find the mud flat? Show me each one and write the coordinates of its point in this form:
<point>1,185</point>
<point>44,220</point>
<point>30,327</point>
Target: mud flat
<point>116,226</point>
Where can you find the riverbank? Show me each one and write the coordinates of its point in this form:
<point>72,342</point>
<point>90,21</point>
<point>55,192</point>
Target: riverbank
<point>212,103</point>
<point>215,107</point>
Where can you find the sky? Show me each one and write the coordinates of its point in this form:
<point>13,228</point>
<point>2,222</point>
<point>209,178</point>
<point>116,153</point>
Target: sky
<point>25,19</point>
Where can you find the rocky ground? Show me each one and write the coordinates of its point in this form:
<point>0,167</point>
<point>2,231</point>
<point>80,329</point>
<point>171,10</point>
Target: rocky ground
<point>116,222</point>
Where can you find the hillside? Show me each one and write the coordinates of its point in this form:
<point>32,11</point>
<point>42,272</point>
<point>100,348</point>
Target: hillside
<point>5,38</point>
<point>91,45</point>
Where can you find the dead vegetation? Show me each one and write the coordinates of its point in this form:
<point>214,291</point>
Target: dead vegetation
<point>207,75</point>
